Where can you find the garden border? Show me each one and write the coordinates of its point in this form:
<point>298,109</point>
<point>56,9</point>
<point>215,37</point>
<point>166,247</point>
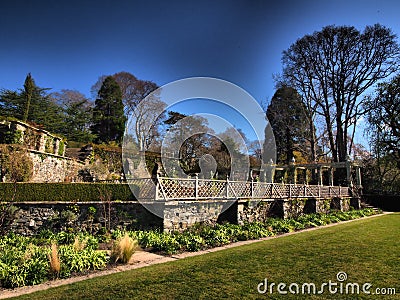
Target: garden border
<point>149,259</point>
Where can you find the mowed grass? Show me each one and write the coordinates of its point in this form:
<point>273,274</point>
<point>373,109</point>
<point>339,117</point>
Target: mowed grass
<point>368,250</point>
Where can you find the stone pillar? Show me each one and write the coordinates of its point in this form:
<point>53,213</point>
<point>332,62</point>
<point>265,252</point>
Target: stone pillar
<point>292,171</point>
<point>270,172</point>
<point>331,176</point>
<point>22,130</point>
<point>42,142</point>
<point>56,146</point>
<point>65,148</point>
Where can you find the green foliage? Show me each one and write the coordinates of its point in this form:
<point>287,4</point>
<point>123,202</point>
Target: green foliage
<point>382,169</point>
<point>25,260</point>
<point>203,236</point>
<point>12,137</point>
<point>73,261</point>
<point>287,115</point>
<point>108,113</point>
<point>29,87</point>
<point>77,114</point>
<point>366,250</point>
<point>15,164</point>
<point>61,148</point>
<point>21,262</point>
<point>66,191</point>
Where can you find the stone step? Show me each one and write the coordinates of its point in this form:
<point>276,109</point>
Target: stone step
<point>366,205</point>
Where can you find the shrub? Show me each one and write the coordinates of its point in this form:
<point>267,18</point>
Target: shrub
<point>66,192</point>
<point>190,241</point>
<point>15,163</point>
<point>73,261</point>
<point>23,265</point>
<point>168,244</point>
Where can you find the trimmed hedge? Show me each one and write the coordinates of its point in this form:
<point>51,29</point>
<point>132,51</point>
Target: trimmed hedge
<point>65,192</point>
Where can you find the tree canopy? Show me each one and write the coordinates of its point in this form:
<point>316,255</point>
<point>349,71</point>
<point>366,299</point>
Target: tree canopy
<point>332,68</point>
<point>32,104</point>
<point>76,113</point>
<point>288,117</point>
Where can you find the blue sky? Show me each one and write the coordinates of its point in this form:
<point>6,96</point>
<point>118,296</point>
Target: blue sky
<point>69,44</point>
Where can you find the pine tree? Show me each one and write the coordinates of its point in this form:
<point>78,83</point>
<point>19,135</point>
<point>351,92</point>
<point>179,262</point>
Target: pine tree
<point>108,113</point>
<point>33,105</point>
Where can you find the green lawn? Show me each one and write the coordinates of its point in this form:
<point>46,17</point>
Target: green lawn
<point>367,250</point>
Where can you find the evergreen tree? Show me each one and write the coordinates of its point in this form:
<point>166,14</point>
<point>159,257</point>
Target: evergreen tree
<point>29,87</point>
<point>108,113</point>
<point>33,105</point>
<point>286,113</point>
<point>77,115</point>
<point>10,104</point>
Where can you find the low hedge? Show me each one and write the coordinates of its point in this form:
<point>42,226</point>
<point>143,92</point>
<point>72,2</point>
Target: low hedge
<point>82,192</point>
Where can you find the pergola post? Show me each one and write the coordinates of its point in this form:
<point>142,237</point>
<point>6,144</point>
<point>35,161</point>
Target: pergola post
<point>348,172</point>
<point>306,179</point>
<point>319,175</point>
<point>358,176</point>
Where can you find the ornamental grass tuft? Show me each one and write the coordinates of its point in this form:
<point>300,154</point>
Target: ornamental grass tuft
<point>55,264</point>
<point>123,249</point>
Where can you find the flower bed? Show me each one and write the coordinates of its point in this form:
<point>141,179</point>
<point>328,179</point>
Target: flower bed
<point>33,260</point>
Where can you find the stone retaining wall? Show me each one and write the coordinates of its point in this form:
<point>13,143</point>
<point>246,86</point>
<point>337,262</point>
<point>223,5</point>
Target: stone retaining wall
<point>53,168</point>
<point>179,215</point>
<point>251,211</point>
<point>32,217</point>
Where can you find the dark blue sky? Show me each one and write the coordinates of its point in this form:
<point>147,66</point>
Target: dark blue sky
<point>69,44</point>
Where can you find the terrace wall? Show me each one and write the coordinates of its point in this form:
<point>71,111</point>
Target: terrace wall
<point>54,168</point>
<point>32,217</point>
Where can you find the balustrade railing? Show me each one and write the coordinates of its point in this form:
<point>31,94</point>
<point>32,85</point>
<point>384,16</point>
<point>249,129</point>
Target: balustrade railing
<point>164,188</point>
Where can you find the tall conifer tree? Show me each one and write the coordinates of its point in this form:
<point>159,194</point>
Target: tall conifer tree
<point>108,113</point>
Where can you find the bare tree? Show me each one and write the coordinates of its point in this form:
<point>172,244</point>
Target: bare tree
<point>144,121</point>
<point>332,68</point>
